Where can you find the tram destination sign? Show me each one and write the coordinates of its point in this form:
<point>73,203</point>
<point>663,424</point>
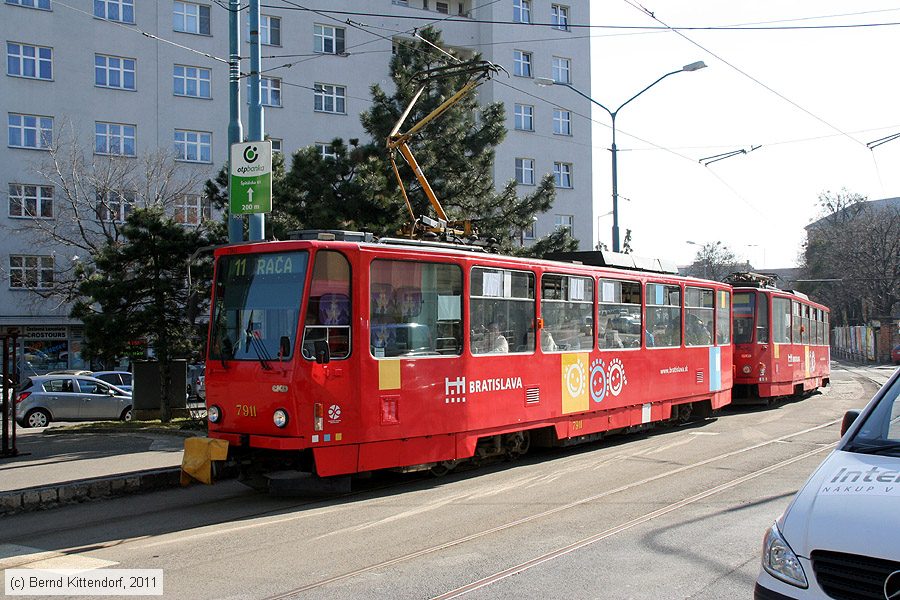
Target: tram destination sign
<point>251,178</point>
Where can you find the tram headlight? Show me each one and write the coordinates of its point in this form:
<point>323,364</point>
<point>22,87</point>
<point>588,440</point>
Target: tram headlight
<point>214,414</point>
<point>746,370</point>
<point>280,418</point>
<point>780,561</point>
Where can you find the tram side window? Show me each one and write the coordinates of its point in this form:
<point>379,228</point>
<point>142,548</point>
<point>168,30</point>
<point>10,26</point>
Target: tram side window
<point>502,311</point>
<point>820,337</point>
<point>328,308</point>
<point>781,320</point>
<point>796,322</point>
<point>723,321</point>
<point>805,329</point>
<point>567,304</point>
<point>744,303</point>
<point>826,337</point>
<point>814,317</point>
<point>619,315</point>
<point>762,319</point>
<point>698,316</point>
<point>663,315</point>
<point>415,309</point>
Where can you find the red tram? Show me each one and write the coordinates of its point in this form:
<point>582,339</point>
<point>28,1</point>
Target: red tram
<point>781,343</point>
<point>336,357</point>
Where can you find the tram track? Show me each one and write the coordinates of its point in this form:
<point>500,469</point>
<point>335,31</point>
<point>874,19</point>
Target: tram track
<point>292,593</point>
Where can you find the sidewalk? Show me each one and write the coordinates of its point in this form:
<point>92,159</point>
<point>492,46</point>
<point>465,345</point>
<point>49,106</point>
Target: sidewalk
<point>55,468</point>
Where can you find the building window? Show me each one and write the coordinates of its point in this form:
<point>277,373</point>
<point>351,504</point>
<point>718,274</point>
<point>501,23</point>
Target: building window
<point>31,201</point>
<point>269,30</point>
<point>191,209</point>
<point>270,91</point>
<point>562,122</point>
<point>328,40</point>
<point>34,62</point>
<point>30,131</point>
<point>115,10</point>
<point>193,146</point>
<point>188,17</point>
<point>326,150</point>
<point>114,138</point>
<point>521,63</point>
<point>330,98</point>
<point>277,145</point>
<point>559,16</point>
<point>114,72</point>
<point>565,222</point>
<point>562,174</point>
<point>191,81</point>
<point>114,206</point>
<point>30,271</point>
<point>42,4</point>
<point>562,70</point>
<point>525,171</point>
<point>528,233</point>
<point>524,117</point>
<point>442,7</point>
<point>522,11</point>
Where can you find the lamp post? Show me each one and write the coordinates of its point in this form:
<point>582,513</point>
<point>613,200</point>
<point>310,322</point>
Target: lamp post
<point>546,81</point>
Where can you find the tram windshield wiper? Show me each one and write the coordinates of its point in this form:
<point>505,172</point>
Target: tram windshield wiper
<point>258,347</point>
<point>874,448</point>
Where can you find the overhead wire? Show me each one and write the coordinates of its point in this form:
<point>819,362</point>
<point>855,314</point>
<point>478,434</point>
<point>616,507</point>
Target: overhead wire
<point>147,34</point>
<point>652,15</point>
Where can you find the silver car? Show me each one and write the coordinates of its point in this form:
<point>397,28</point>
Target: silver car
<point>120,379</point>
<point>46,398</point>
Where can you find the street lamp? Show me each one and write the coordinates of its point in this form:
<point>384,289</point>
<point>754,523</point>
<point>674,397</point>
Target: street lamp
<point>546,81</point>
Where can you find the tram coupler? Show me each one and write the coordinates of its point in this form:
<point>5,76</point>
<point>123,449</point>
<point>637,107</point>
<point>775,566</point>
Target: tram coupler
<point>304,483</point>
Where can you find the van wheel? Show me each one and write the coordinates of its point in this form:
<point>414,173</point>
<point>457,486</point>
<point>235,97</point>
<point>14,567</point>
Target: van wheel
<point>127,415</point>
<point>37,417</point>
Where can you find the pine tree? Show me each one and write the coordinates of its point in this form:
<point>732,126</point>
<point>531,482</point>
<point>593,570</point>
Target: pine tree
<point>356,188</point>
<point>136,289</point>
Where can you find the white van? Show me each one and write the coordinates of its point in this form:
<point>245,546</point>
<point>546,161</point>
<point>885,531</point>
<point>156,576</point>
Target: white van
<point>840,537</point>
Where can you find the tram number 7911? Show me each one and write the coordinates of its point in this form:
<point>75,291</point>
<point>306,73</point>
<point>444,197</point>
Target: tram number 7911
<point>245,410</point>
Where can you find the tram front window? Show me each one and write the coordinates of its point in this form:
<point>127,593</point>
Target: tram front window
<point>256,306</point>
<point>744,303</point>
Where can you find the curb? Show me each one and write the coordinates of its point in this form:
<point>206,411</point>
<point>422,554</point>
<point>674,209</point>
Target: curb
<point>51,496</point>
<point>185,433</point>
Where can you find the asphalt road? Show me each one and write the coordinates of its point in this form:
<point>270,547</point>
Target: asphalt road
<point>679,513</point>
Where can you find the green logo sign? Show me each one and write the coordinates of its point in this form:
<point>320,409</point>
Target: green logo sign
<point>251,178</point>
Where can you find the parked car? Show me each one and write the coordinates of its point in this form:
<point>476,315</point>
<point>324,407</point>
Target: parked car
<point>194,375</point>
<point>838,538</point>
<point>895,355</point>
<point>70,372</point>
<point>201,388</point>
<point>120,379</point>
<point>45,398</point>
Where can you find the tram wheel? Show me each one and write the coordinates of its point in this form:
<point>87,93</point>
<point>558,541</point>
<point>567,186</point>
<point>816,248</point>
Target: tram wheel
<point>443,468</point>
<point>685,411</point>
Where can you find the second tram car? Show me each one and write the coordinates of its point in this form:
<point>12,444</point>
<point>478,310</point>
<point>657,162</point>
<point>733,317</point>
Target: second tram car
<point>781,343</point>
<point>339,357</point>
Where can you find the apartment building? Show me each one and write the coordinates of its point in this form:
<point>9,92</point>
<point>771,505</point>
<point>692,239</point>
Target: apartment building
<point>129,77</point>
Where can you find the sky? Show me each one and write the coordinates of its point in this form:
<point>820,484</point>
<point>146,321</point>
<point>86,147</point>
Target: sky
<point>811,99</point>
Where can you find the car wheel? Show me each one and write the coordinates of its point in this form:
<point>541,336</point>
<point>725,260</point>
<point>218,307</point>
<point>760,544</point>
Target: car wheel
<point>37,417</point>
<point>127,415</point>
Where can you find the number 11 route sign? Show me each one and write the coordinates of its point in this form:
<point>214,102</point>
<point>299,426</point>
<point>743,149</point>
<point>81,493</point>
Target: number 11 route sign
<point>251,177</point>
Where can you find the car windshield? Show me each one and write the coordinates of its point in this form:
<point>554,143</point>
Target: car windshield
<point>880,432</point>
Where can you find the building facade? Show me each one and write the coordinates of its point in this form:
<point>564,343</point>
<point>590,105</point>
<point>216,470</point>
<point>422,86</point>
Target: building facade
<point>127,78</point>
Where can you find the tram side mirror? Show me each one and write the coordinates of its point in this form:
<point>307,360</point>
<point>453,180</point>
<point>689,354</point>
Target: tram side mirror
<point>323,354</point>
<point>849,418</point>
<point>284,346</point>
